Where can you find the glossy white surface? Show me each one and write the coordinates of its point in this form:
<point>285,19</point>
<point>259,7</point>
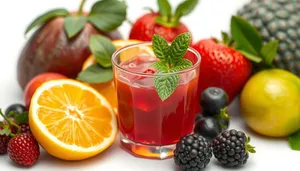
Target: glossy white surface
<point>210,17</point>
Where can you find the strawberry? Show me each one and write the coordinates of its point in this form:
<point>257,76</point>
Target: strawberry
<point>23,149</point>
<point>164,22</point>
<point>222,66</point>
<point>226,64</point>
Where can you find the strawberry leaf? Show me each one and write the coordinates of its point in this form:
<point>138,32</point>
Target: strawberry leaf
<point>107,15</point>
<point>251,57</point>
<point>245,36</point>
<point>2,125</point>
<point>21,118</point>
<point>96,74</point>
<point>102,48</point>
<point>294,141</point>
<point>268,52</point>
<point>47,17</point>
<point>74,24</point>
<point>164,8</point>
<point>5,131</point>
<point>185,8</point>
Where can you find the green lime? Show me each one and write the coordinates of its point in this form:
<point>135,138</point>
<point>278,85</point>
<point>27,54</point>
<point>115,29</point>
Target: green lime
<point>270,103</point>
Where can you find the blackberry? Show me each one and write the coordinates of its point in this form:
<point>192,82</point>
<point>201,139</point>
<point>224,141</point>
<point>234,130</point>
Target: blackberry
<point>4,139</point>
<point>280,20</point>
<point>212,100</point>
<point>192,153</point>
<point>232,148</point>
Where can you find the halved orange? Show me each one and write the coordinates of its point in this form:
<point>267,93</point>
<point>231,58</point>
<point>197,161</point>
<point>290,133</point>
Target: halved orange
<point>107,89</point>
<point>71,120</point>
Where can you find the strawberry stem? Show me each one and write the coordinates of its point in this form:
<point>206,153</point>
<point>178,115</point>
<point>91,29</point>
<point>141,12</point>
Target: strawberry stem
<point>80,10</point>
<point>10,123</point>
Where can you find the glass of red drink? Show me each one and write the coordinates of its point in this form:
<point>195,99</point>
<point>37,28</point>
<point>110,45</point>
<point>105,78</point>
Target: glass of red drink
<point>150,127</point>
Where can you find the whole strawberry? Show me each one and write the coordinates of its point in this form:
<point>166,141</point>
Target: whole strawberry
<point>23,149</point>
<point>223,67</point>
<point>226,64</point>
<point>163,23</point>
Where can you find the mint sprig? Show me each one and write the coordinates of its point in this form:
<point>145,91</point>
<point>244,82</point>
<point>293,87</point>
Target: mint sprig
<point>171,61</point>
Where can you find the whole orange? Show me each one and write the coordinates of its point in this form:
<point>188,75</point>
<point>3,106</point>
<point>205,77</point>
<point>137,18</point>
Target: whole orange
<point>36,82</point>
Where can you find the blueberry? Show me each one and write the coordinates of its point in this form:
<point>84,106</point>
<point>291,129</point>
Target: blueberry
<point>208,127</point>
<point>18,108</point>
<point>212,100</point>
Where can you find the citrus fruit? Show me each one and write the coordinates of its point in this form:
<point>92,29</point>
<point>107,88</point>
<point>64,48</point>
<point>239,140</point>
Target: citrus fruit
<point>36,82</point>
<point>71,120</point>
<point>270,103</point>
<point>107,89</point>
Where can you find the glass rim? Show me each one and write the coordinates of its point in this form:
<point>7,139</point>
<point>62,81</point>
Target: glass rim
<point>117,52</point>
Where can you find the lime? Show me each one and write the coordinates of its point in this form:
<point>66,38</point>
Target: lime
<point>270,103</point>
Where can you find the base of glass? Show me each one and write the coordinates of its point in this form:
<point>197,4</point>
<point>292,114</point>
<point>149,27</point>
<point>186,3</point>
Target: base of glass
<point>147,151</point>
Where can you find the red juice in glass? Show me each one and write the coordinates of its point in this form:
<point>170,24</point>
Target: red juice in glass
<point>151,127</point>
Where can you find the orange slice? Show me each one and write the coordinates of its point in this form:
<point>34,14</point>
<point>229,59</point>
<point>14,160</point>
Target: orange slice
<point>71,120</point>
<point>107,89</point>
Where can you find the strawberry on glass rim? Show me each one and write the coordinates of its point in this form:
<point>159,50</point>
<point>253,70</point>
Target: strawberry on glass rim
<point>164,22</point>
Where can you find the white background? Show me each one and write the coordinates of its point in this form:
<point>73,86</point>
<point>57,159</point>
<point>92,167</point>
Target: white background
<point>209,18</point>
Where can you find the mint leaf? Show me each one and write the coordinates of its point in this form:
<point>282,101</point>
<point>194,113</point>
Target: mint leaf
<point>179,46</point>
<point>21,118</point>
<point>164,8</point>
<point>245,36</point>
<point>161,67</point>
<point>185,8</point>
<point>251,57</point>
<point>161,48</point>
<point>74,24</point>
<point>166,85</point>
<point>102,48</point>
<point>107,15</point>
<point>95,74</point>
<point>47,17</point>
<point>268,52</point>
<point>182,64</point>
<point>294,141</point>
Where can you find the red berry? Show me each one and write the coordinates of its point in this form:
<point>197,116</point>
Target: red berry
<point>23,149</point>
<point>4,139</point>
<point>145,27</point>
<point>25,128</point>
<point>222,67</point>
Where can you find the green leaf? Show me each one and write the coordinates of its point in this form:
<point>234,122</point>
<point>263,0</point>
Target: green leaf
<point>225,37</point>
<point>46,17</point>
<point>2,125</point>
<point>166,85</point>
<point>185,8</point>
<point>74,24</point>
<point>161,67</point>
<point>294,141</point>
<point>102,48</point>
<point>21,118</point>
<point>251,57</point>
<point>164,8</point>
<point>161,48</point>
<point>182,64</point>
<point>245,36</point>
<point>179,46</point>
<point>5,131</point>
<point>96,74</point>
<point>107,15</point>
<point>269,51</point>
